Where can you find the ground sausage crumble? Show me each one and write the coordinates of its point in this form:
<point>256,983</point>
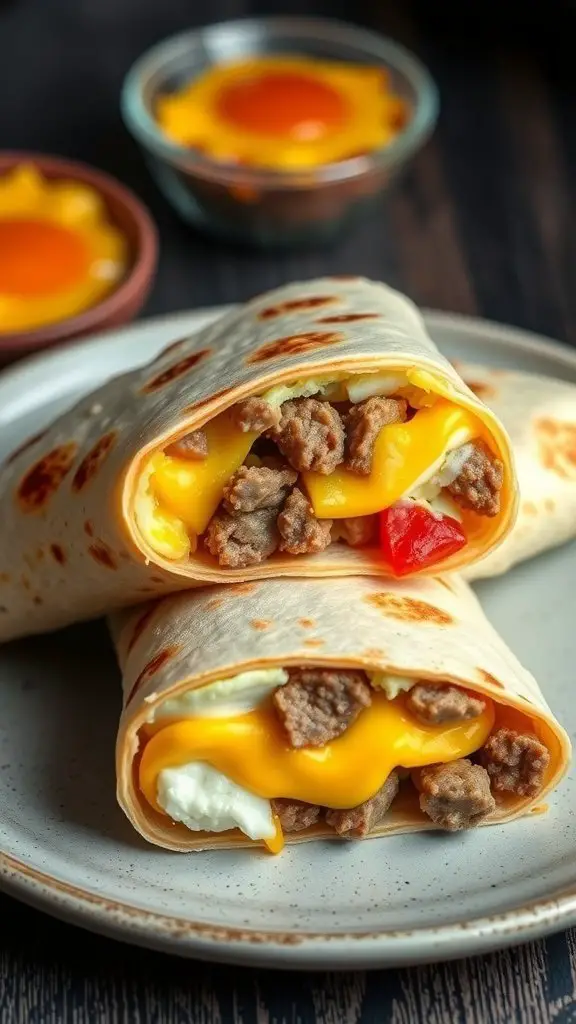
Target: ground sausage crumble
<point>436,704</point>
<point>317,705</point>
<point>455,795</point>
<point>515,762</point>
<point>478,485</point>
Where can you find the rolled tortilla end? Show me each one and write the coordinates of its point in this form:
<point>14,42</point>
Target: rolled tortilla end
<point>393,642</point>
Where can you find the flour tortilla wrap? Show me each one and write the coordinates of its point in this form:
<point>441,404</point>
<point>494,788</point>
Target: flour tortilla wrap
<point>539,414</point>
<point>433,629</point>
<point>71,547</point>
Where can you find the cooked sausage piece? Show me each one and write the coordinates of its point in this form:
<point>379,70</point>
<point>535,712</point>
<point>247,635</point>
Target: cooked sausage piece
<point>310,435</point>
<point>455,795</point>
<point>479,482</point>
<point>516,762</point>
<point>254,487</point>
<point>363,424</point>
<point>301,532</point>
<point>433,704</point>
<point>191,446</point>
<point>357,531</point>
<point>254,415</point>
<point>295,815</point>
<point>357,822</point>
<point>318,704</point>
<point>245,538</point>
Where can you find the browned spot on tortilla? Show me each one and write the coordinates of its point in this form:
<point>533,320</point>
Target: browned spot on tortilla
<point>25,446</point>
<point>40,555</point>
<point>557,446</point>
<point>102,554</point>
<point>25,582</point>
<point>152,667</point>
<point>42,481</point>
<point>317,642</point>
<point>529,508</point>
<point>294,344</point>
<point>307,623</point>
<point>409,609</point>
<point>205,401</point>
<point>58,553</point>
<point>242,588</point>
<point>296,305</point>
<point>261,624</point>
<point>93,460</point>
<point>481,389</point>
<point>4,577</point>
<point>487,677</point>
<point>347,318</point>
<point>140,624</point>
<point>215,603</point>
<point>37,600</point>
<point>89,528</point>
<point>175,371</point>
<point>373,652</point>
<point>156,579</point>
<point>549,504</point>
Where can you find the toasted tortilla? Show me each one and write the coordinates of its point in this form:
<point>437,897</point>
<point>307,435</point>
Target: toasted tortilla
<point>431,629</point>
<point>71,547</point>
<point>539,414</point>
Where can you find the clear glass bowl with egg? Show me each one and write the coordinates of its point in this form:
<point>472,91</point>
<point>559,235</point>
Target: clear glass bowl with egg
<point>261,205</point>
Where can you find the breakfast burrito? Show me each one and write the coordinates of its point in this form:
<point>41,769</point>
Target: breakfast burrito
<point>539,414</point>
<point>300,709</point>
<point>316,431</point>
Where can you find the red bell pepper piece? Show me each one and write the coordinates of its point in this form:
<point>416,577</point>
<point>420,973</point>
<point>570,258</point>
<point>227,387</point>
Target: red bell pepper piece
<point>413,537</point>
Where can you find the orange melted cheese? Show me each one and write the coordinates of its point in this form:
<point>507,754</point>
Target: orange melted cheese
<point>252,751</point>
<point>403,454</point>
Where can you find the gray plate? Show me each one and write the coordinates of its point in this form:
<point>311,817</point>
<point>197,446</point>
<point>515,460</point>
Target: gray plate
<point>65,846</point>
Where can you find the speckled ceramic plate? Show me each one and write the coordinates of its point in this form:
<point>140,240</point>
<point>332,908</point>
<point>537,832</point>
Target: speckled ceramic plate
<point>66,848</point>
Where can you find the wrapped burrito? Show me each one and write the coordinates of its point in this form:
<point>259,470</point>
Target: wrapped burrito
<point>539,414</point>
<point>299,709</point>
<point>316,431</point>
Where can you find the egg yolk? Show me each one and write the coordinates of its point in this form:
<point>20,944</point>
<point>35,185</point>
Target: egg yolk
<point>283,103</point>
<point>59,251</point>
<point>40,258</point>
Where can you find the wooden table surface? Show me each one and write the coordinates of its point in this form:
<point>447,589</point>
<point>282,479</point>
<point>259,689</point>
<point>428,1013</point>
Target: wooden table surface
<point>484,223</point>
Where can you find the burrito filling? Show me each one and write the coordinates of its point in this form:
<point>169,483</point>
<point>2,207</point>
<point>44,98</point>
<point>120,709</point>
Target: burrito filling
<point>370,460</point>
<point>277,751</point>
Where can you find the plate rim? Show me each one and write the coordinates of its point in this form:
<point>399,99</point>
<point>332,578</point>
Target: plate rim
<point>280,949</point>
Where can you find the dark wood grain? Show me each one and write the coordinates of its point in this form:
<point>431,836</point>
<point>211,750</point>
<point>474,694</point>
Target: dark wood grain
<point>484,222</point>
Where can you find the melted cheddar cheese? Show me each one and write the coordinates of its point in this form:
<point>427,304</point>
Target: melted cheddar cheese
<point>179,496</point>
<point>252,751</point>
<point>404,454</point>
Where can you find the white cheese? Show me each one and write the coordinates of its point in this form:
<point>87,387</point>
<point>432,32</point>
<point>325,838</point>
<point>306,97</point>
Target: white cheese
<point>391,685</point>
<point>205,800</point>
<point>225,698</point>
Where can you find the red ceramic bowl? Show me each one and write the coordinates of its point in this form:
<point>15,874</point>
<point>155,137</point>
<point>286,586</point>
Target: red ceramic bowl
<point>135,223</point>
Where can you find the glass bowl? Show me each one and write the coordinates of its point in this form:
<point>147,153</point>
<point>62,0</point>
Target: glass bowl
<point>260,206</point>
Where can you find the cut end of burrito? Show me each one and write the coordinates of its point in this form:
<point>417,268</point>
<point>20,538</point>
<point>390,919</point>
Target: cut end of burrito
<point>351,716</point>
<point>278,751</point>
<point>392,462</point>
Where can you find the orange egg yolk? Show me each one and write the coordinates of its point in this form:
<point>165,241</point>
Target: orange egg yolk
<point>283,103</point>
<point>39,257</point>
